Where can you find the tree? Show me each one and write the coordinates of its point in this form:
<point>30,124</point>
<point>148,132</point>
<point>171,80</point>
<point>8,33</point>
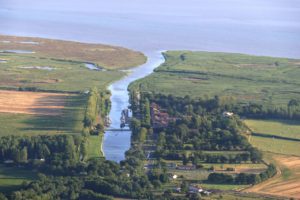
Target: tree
<point>84,150</point>
<point>70,148</point>
<point>143,135</point>
<point>23,155</point>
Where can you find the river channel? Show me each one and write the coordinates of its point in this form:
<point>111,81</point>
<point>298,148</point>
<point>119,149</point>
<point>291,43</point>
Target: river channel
<point>116,143</point>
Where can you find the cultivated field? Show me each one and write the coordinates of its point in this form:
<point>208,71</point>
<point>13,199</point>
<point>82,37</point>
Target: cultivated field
<point>247,78</point>
<point>103,55</point>
<point>35,113</point>
<point>35,103</point>
<point>287,181</point>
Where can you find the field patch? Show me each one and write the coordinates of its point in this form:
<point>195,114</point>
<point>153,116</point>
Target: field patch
<point>281,128</point>
<point>60,118</point>
<point>287,180</point>
<point>276,136</point>
<point>276,145</point>
<point>36,103</point>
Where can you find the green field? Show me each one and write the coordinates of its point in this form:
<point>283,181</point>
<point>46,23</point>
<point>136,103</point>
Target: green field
<point>273,81</point>
<point>94,142</point>
<point>12,177</point>
<point>282,128</point>
<point>276,145</point>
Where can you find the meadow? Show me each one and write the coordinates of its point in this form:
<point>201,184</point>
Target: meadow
<point>268,80</point>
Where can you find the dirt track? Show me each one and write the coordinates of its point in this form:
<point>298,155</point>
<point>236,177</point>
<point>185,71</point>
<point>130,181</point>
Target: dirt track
<point>36,103</point>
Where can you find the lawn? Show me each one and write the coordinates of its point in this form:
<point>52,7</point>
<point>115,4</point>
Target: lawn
<point>12,177</point>
<point>273,81</point>
<point>282,128</point>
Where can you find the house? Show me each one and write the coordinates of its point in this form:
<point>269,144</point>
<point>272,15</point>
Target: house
<point>195,189</point>
<point>227,114</point>
<point>207,193</point>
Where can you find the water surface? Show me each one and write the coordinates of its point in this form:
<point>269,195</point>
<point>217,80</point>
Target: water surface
<point>115,143</point>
